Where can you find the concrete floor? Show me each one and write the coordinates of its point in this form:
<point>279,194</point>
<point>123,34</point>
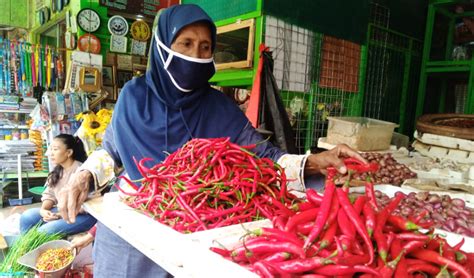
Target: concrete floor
<point>5,212</point>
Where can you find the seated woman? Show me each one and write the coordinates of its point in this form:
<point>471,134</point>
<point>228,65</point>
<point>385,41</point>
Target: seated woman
<point>68,153</point>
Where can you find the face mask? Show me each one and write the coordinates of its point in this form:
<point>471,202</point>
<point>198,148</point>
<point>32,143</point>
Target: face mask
<point>186,73</point>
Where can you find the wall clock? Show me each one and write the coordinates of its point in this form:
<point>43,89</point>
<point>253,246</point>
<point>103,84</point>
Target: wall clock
<point>118,25</point>
<point>89,43</point>
<point>140,30</point>
<point>88,20</point>
<point>44,15</point>
<point>118,44</point>
<point>139,47</point>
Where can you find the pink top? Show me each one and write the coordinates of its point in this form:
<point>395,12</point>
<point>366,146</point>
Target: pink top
<point>51,193</point>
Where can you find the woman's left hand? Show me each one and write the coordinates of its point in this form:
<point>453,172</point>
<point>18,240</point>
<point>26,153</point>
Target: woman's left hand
<point>318,163</point>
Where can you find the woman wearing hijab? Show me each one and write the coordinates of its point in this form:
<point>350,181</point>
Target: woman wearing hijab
<point>161,111</point>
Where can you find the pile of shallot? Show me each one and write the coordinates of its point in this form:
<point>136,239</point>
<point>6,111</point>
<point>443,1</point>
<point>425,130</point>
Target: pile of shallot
<point>390,171</point>
<point>443,212</point>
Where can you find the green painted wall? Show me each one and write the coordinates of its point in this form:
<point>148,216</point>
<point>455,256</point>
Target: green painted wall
<point>12,13</point>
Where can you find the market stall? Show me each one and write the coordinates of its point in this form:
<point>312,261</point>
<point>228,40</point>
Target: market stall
<point>410,216</point>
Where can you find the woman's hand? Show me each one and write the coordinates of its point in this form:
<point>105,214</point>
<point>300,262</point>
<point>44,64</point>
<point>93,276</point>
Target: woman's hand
<point>48,215</point>
<point>79,242</point>
<point>317,163</point>
<point>73,195</point>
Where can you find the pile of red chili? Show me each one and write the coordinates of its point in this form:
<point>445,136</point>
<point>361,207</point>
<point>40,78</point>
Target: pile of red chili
<point>211,183</point>
<point>54,259</point>
<point>332,235</point>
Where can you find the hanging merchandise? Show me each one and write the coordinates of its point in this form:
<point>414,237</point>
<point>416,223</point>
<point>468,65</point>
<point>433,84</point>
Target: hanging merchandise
<point>118,25</point>
<point>138,47</point>
<point>266,111</point>
<point>44,14</point>
<point>89,43</point>
<point>70,40</point>
<point>140,30</point>
<point>118,44</point>
<point>25,68</point>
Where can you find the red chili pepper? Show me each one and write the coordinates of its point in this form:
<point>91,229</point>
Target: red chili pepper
<point>301,265</point>
<point>354,218</point>
<point>301,217</point>
<point>359,204</point>
<point>402,224</point>
<point>279,221</point>
<point>272,201</point>
<point>268,247</point>
<point>332,212</point>
<point>346,227</point>
<point>263,270</point>
<point>359,166</point>
<point>357,248</point>
<point>277,257</point>
<point>277,234</point>
<point>423,267</point>
<point>332,270</point>
<point>323,214</point>
<point>303,206</point>
<point>220,251</point>
<point>394,203</point>
<point>413,245</point>
<point>379,236</point>
<point>314,197</point>
<point>414,236</point>
<point>447,251</point>
<point>434,257</point>
<point>420,216</point>
<point>328,236</point>
<point>395,251</point>
<point>387,270</point>
<point>370,219</point>
<point>458,246</point>
<point>304,229</point>
<point>461,257</point>
<point>411,261</point>
<point>351,259</point>
<point>370,193</point>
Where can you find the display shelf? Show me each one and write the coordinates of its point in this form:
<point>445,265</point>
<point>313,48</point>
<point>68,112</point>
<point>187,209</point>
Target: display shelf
<point>13,127</point>
<point>21,111</point>
<point>447,64</point>
<point>34,174</point>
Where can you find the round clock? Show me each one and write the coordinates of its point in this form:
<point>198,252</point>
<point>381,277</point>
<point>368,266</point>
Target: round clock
<point>118,25</point>
<point>89,43</point>
<point>140,30</point>
<point>44,15</point>
<point>88,20</point>
<point>59,5</point>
